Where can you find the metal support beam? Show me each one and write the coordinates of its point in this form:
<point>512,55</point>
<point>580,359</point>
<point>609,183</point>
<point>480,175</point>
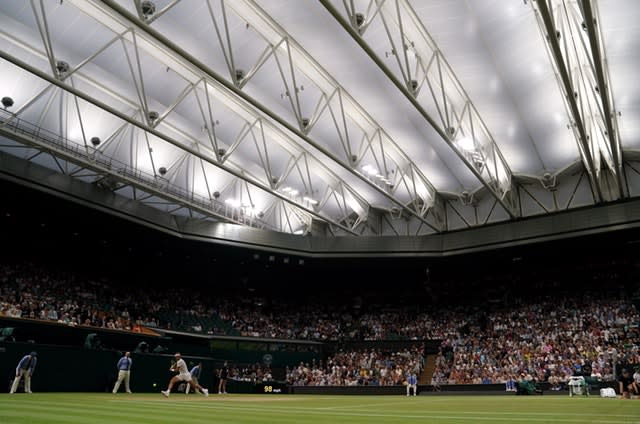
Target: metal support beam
<point>196,87</point>
<point>591,23</point>
<point>15,131</point>
<point>412,97</point>
<point>561,225</point>
<point>568,88</point>
<point>190,60</point>
<point>31,69</point>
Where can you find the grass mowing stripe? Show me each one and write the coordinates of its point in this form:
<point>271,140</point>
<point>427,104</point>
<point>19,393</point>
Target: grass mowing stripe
<point>427,415</point>
<point>94,411</point>
<point>73,408</point>
<point>529,413</point>
<point>367,405</point>
<point>67,418</point>
<point>121,416</point>
<point>357,408</point>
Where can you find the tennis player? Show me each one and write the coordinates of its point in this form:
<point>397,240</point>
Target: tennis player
<point>183,375</point>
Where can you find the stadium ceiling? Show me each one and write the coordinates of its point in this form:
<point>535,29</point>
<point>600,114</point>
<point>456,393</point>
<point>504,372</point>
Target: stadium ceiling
<point>336,119</point>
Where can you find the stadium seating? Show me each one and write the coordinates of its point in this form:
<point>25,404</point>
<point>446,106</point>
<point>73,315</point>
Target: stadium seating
<point>547,337</point>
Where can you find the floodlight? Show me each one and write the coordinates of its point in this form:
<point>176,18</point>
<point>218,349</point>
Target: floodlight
<point>7,102</point>
<point>466,144</point>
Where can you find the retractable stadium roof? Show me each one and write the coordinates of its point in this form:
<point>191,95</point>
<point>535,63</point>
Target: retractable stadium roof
<point>330,127</point>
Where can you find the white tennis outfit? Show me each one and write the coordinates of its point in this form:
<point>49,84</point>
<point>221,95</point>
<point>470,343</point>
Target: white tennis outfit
<point>183,375</point>
<point>183,371</point>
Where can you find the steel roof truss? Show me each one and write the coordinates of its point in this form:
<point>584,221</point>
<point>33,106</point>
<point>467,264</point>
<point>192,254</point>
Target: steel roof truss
<point>137,75</point>
<point>413,47</point>
<point>60,147</point>
<point>297,63</point>
<point>608,112</point>
<point>78,93</point>
<point>40,17</point>
<point>575,44</point>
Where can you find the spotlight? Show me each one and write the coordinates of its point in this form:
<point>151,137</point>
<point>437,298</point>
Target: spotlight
<point>370,170</point>
<point>305,123</point>
<point>162,171</point>
<point>234,203</point>
<point>95,141</point>
<point>7,102</point>
<point>216,194</point>
<point>467,144</point>
<point>148,8</point>
<point>221,152</point>
<point>152,115</point>
<point>359,20</point>
<point>239,75</point>
<point>62,67</point>
<point>310,200</point>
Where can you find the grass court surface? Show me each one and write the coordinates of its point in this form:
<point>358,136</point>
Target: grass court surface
<point>83,408</point>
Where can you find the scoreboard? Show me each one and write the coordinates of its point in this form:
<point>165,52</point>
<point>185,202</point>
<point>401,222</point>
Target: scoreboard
<point>271,388</point>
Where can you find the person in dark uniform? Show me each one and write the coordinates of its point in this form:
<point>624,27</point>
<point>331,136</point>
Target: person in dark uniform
<point>625,382</point>
<point>224,374</point>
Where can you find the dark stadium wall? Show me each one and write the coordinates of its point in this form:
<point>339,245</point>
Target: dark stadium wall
<point>59,345</point>
<point>70,369</point>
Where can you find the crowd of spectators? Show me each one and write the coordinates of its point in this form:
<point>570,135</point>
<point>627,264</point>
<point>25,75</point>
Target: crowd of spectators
<point>541,338</point>
<point>332,322</point>
<point>29,291</point>
<point>370,367</point>
<point>254,373</point>
<point>548,340</point>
